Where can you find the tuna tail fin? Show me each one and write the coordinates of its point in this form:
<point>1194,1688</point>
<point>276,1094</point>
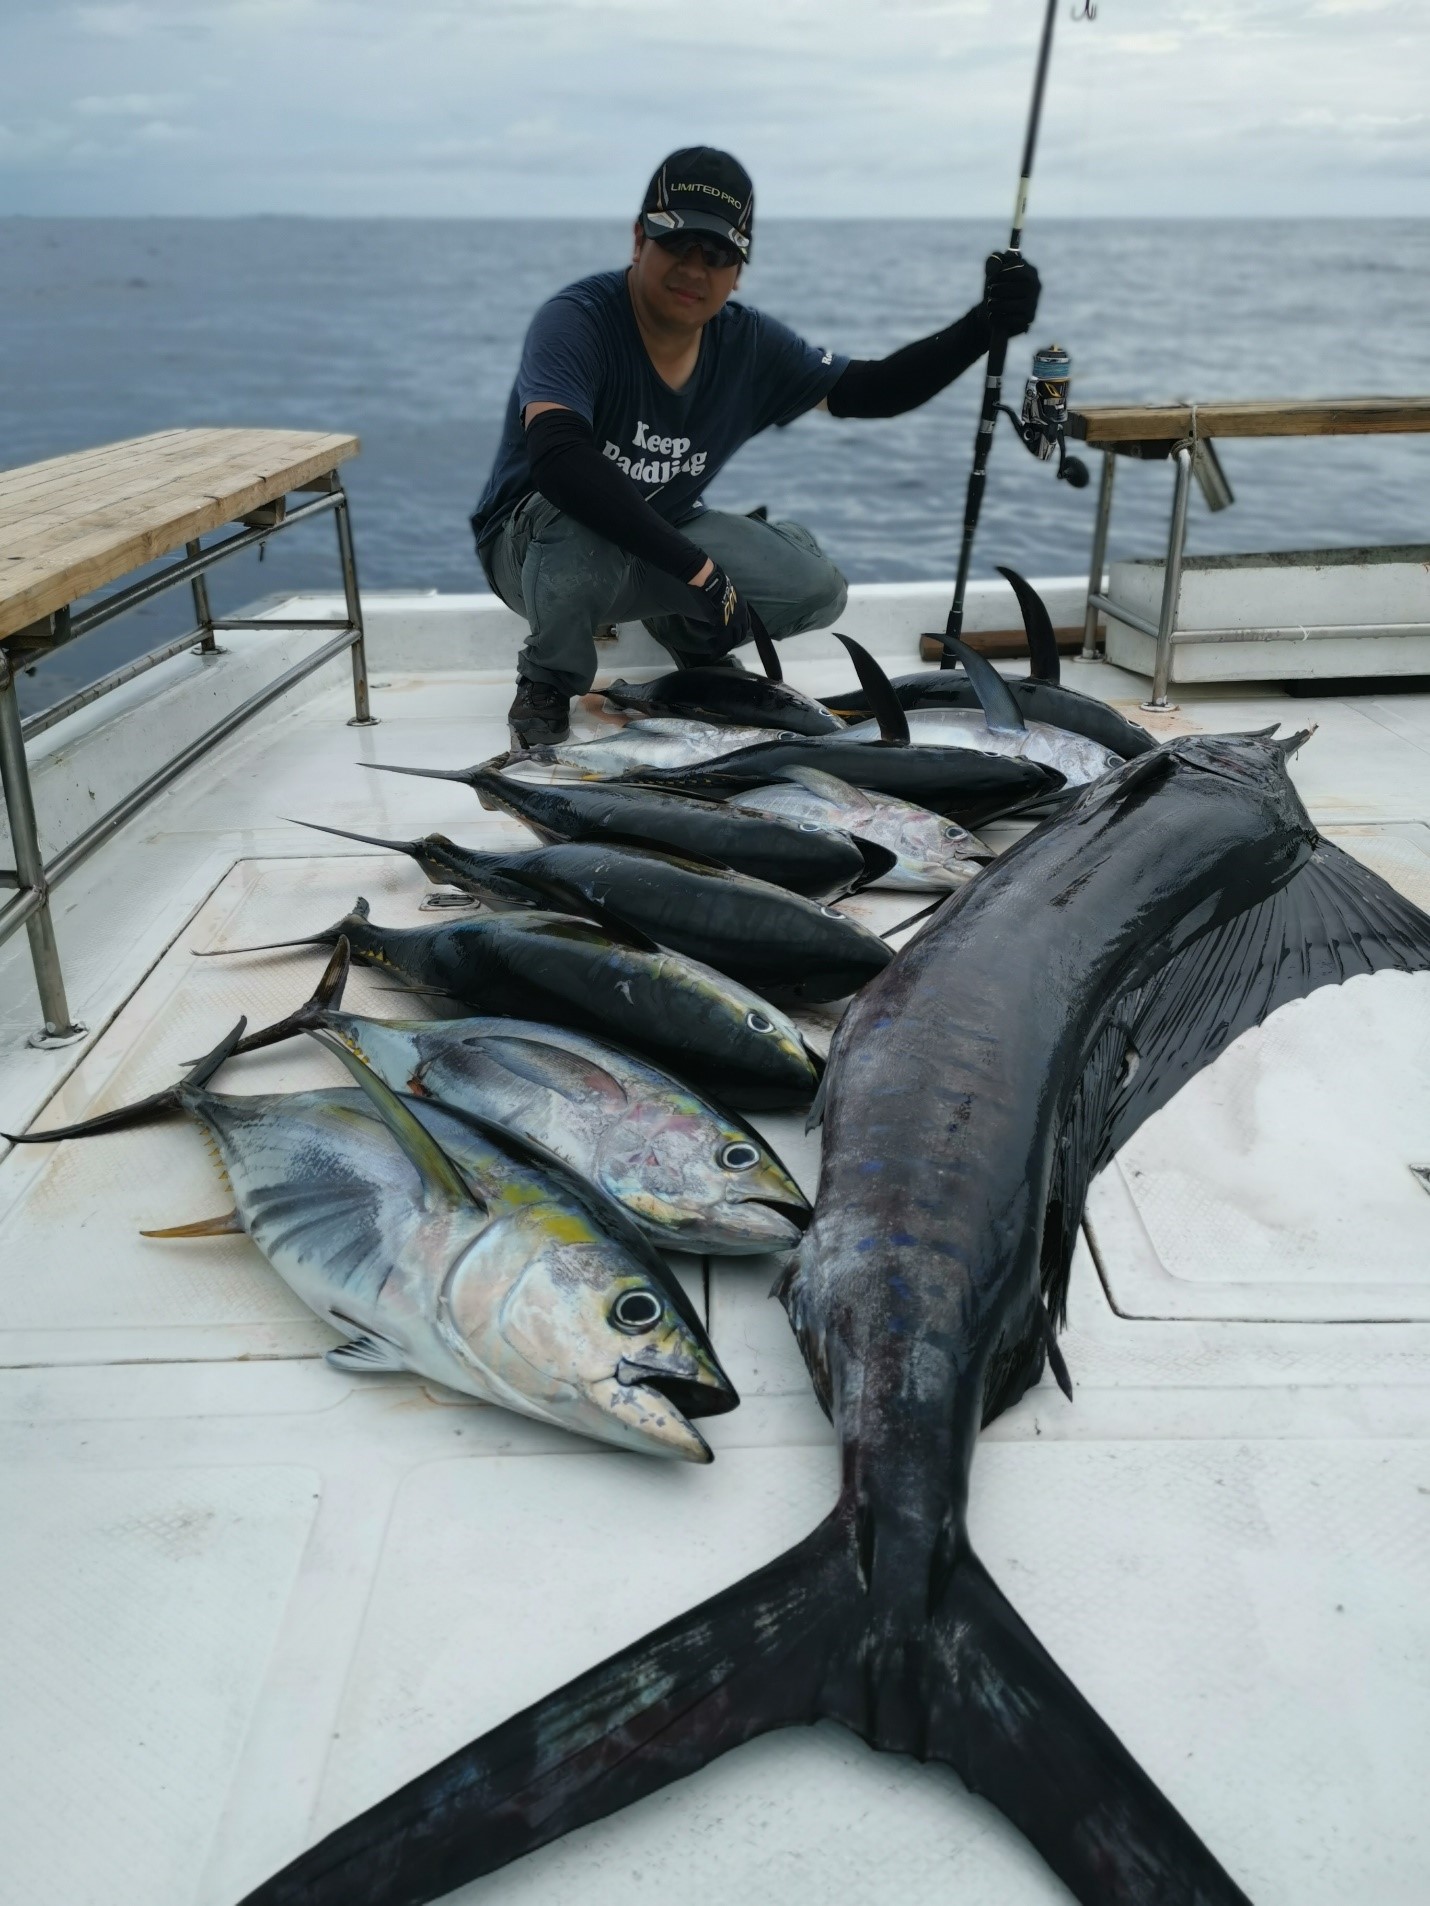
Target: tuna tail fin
<point>766,650</point>
<point>1044,663</point>
<point>747,1662</point>
<point>169,1100</point>
<point>1005,1717</point>
<point>884,704</point>
<point>359,917</point>
<point>368,840</point>
<point>326,997</point>
<point>430,774</point>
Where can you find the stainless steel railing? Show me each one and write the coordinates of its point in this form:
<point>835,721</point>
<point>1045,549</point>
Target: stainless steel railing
<point>35,879</point>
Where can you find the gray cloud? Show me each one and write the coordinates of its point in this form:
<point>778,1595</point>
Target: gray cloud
<point>840,107</point>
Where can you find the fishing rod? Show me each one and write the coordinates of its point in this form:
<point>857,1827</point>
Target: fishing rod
<point>1044,414</point>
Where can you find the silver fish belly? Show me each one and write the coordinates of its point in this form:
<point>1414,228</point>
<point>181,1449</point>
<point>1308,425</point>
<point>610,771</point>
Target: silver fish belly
<point>932,853</point>
<point>1076,758</point>
<point>661,742</point>
<point>692,1177</point>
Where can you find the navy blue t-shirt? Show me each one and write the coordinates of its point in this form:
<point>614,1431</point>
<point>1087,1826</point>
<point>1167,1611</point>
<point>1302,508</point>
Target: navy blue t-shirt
<point>584,350</point>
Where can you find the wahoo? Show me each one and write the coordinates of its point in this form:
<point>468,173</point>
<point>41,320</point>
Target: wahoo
<point>807,859</point>
<point>971,1098</point>
<point>765,936</point>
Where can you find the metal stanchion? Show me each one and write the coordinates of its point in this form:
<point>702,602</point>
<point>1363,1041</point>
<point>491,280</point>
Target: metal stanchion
<point>1099,556</point>
<point>203,615</point>
<point>59,1029</point>
<point>1171,583</point>
<point>363,716</point>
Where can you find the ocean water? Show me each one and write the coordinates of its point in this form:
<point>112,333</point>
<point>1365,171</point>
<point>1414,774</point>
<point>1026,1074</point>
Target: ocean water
<point>407,332</point>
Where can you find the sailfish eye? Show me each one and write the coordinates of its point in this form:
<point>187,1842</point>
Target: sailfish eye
<point>636,1311</point>
<point>758,1023</point>
<point>740,1156</point>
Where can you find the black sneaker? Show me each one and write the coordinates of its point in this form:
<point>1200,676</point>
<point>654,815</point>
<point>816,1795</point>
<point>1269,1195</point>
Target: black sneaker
<point>539,713</point>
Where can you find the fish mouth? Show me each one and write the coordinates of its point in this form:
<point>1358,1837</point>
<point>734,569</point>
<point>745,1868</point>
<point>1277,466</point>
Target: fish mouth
<point>691,1396</point>
<point>662,1403</point>
<point>799,1215</point>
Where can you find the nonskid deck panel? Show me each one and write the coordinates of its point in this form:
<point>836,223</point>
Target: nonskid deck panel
<point>246,1594</point>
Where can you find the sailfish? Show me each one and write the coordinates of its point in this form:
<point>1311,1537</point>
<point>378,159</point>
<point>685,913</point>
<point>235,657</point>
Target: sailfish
<point>974,1089</point>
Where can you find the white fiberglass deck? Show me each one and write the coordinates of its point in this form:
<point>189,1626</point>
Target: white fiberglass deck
<point>245,1595</point>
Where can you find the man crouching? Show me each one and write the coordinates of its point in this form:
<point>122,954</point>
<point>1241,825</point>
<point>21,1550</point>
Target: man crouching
<point>635,388</point>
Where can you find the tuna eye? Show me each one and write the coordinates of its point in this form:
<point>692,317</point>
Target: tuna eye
<point>809,827</point>
<point>636,1311</point>
<point>739,1157</point>
<point>758,1023</point>
<point>950,833</point>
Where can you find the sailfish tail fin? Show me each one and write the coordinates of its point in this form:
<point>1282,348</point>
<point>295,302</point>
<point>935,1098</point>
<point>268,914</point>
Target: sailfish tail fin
<point>798,1641</point>
<point>747,1662</point>
<point>1005,1717</point>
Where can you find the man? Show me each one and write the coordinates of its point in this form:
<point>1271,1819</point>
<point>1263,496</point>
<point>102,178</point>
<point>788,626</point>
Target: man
<point>634,388</point>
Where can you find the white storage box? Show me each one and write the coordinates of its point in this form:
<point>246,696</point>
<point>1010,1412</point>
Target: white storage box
<point>1292,614</point>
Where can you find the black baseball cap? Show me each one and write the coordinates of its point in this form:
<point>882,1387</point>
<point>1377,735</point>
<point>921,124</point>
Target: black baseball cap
<point>701,189</point>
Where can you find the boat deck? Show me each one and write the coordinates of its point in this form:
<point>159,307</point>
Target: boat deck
<point>246,1595</point>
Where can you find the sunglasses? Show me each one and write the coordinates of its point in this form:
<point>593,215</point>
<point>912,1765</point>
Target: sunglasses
<point>717,256</point>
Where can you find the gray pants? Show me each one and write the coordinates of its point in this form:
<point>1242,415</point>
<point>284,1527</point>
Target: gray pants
<point>568,582</point>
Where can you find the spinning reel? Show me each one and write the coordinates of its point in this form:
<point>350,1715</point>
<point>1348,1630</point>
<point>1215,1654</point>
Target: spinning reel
<point>1042,426</point>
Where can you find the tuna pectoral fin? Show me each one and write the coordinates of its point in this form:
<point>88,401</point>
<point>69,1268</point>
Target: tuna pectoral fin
<point>442,1183</point>
<point>704,861</point>
<point>912,920</point>
<point>1007,1719</point>
<point>169,1100</point>
<point>568,898</point>
<point>741,1665</point>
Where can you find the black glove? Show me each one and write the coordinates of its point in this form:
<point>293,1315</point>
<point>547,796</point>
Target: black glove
<point>1010,292</point>
<point>723,609</point>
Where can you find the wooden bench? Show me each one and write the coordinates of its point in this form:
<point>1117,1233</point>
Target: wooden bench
<point>1184,432</point>
<point>75,525</point>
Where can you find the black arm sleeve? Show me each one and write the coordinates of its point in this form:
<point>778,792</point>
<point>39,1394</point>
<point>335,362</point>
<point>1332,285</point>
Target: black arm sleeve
<point>888,386</point>
<point>570,472</point>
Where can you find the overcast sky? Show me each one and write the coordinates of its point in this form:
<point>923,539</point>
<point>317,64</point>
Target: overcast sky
<point>838,107</point>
